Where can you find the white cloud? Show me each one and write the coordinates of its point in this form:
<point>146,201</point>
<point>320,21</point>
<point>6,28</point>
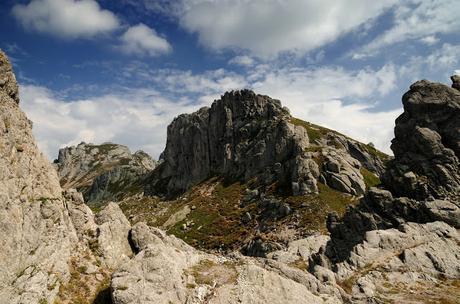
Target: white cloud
<point>137,118</point>
<point>142,40</point>
<point>65,18</point>
<point>242,61</point>
<point>430,40</point>
<point>269,27</point>
<point>211,83</point>
<point>457,72</point>
<point>440,64</point>
<point>417,19</point>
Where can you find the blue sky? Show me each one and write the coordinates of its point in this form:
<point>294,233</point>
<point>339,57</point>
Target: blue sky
<point>120,71</point>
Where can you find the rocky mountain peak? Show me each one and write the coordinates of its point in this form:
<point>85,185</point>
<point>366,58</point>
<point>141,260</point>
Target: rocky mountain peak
<point>245,136</point>
<point>241,136</point>
<point>8,82</point>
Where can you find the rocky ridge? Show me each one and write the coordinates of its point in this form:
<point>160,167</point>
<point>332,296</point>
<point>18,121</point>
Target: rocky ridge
<point>411,229</point>
<point>245,137</point>
<point>247,166</point>
<point>102,172</point>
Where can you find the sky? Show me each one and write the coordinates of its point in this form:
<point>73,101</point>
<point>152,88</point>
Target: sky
<point>120,71</point>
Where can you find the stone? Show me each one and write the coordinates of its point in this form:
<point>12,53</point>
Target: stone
<point>170,271</point>
<point>112,237</point>
<point>8,83</point>
<point>36,233</point>
<point>455,82</point>
<point>445,211</point>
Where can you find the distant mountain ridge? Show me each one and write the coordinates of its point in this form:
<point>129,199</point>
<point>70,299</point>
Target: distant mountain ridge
<point>102,172</point>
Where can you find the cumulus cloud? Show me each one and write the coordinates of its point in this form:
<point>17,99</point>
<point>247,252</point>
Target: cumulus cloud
<point>143,40</point>
<point>417,19</point>
<point>137,118</point>
<point>208,83</point>
<point>269,27</point>
<point>65,18</point>
<point>430,40</point>
<point>242,61</point>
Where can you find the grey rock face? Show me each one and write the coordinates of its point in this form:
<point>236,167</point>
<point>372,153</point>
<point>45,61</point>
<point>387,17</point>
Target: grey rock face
<point>455,82</point>
<point>8,83</point>
<point>36,235</point>
<point>102,172</point>
<point>112,236</point>
<point>427,143</point>
<point>242,136</point>
<point>245,136</point>
<point>406,229</point>
<point>45,232</point>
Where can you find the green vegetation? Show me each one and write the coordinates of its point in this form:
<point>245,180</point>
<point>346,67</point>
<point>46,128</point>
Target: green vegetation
<point>83,288</point>
<point>300,263</point>
<point>313,209</point>
<point>314,132</point>
<point>370,179</point>
<point>215,220</point>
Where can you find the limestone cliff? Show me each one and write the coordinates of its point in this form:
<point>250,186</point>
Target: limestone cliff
<point>36,233</point>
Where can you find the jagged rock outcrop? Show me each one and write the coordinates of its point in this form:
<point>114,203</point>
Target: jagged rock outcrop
<point>244,136</point>
<point>8,84</point>
<point>102,172</point>
<point>427,143</point>
<point>395,239</point>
